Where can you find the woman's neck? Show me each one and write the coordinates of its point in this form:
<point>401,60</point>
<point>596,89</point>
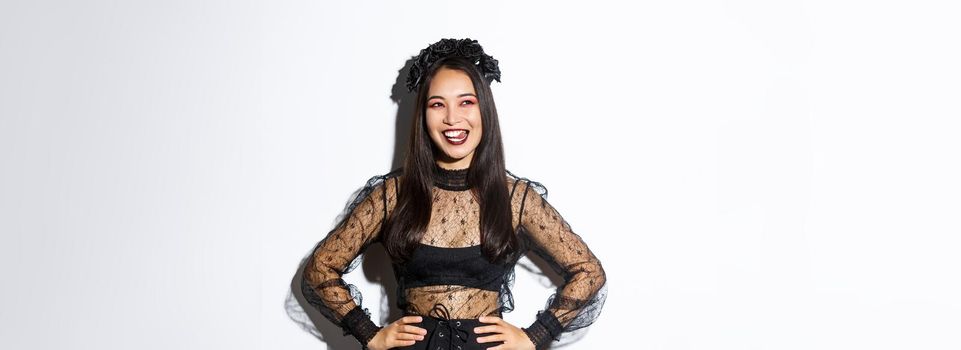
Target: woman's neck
<point>451,179</point>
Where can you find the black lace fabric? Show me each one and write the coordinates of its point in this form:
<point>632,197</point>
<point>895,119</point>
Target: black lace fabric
<point>454,230</point>
<point>579,300</point>
<point>337,254</point>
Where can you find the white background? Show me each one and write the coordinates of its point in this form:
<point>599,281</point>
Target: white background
<point>752,174</point>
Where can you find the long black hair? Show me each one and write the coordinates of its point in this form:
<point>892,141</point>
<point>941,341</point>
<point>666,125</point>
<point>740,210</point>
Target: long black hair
<point>406,225</point>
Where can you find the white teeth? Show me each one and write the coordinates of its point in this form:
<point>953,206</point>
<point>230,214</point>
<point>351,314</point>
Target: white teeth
<point>454,133</point>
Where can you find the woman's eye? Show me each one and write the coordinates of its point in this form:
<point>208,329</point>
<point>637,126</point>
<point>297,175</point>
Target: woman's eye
<point>438,104</point>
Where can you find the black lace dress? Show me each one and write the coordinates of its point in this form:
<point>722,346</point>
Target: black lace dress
<point>447,271</point>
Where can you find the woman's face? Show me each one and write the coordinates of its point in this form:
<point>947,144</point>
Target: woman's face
<point>453,118</point>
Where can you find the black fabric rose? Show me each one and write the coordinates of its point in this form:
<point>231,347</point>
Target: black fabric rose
<point>470,48</point>
<point>490,69</point>
<point>425,58</point>
<point>413,77</point>
<point>445,46</point>
<point>448,47</point>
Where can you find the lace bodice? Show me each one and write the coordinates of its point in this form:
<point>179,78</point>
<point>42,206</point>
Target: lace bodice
<point>462,282</point>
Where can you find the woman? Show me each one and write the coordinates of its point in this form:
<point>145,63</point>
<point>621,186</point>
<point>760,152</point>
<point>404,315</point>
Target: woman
<point>454,222</point>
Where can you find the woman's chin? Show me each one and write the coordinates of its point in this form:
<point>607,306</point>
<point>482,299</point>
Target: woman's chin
<point>451,160</point>
<point>454,158</point>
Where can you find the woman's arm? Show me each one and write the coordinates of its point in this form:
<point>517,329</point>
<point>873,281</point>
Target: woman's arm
<point>578,302</point>
<point>336,255</point>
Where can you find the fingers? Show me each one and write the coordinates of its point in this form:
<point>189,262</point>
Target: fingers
<point>401,333</point>
<point>499,330</point>
<point>491,338</point>
<point>402,339</point>
<point>408,336</point>
<point>490,319</point>
<point>412,330</point>
<point>408,319</point>
<point>488,329</point>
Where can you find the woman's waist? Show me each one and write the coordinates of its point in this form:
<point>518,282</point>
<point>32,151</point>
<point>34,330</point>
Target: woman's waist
<point>434,318</point>
<point>452,311</point>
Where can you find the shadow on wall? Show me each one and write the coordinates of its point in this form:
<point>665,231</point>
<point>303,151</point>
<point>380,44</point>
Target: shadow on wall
<point>376,264</point>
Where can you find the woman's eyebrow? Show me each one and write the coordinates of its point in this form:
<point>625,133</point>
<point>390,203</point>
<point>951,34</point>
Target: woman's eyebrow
<point>461,95</point>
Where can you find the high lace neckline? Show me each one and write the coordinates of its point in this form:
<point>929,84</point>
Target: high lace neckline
<point>451,179</point>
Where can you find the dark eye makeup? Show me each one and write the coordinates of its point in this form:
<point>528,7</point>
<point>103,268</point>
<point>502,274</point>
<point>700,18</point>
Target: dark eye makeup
<point>438,103</point>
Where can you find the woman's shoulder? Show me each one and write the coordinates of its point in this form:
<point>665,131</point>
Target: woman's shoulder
<point>520,183</point>
<point>383,177</point>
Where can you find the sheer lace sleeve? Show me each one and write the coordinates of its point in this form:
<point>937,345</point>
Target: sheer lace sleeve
<point>577,302</point>
<point>335,255</point>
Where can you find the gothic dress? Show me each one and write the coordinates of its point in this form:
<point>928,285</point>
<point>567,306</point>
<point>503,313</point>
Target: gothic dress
<point>447,280</point>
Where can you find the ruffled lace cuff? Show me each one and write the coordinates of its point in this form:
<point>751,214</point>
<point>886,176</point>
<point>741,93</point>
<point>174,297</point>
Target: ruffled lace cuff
<point>544,329</point>
<point>357,323</point>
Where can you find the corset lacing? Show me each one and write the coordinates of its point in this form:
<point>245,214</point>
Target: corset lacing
<point>452,327</point>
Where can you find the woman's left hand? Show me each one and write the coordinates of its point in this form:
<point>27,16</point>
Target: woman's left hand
<point>514,338</point>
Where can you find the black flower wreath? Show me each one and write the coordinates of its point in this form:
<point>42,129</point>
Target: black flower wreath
<point>466,48</point>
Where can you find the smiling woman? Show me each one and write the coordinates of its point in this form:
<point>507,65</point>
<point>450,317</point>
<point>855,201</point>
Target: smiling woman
<point>455,222</point>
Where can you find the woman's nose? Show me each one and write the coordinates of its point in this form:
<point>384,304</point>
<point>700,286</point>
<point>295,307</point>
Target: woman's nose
<point>452,116</point>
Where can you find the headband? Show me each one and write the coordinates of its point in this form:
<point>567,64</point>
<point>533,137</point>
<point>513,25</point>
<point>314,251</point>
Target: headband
<point>444,48</point>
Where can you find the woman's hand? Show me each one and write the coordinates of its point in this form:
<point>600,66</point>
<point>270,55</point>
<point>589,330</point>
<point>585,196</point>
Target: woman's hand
<point>514,338</point>
<point>398,333</point>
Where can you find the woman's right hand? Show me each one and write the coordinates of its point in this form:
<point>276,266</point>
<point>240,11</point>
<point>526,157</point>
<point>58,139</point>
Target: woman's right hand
<point>398,333</point>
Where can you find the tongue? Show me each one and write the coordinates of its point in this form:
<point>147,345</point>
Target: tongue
<point>458,135</point>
